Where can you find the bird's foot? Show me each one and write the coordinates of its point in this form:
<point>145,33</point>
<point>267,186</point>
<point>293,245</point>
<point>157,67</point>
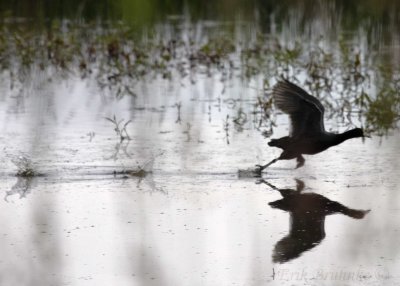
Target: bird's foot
<point>299,165</point>
<point>258,171</point>
<point>259,168</point>
<point>300,162</point>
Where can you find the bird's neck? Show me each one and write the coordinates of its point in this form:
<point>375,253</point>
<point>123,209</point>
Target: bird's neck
<point>339,138</point>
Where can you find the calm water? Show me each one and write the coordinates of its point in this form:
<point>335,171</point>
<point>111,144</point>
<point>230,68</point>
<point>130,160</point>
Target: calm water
<point>192,220</point>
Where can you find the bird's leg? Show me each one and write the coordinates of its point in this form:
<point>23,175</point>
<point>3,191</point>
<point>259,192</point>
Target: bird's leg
<point>300,161</point>
<point>299,185</point>
<point>262,167</point>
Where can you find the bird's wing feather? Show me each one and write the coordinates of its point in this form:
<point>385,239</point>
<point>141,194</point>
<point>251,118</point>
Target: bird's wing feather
<point>306,112</point>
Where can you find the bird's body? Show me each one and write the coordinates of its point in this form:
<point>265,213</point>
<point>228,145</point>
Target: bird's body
<point>307,135</point>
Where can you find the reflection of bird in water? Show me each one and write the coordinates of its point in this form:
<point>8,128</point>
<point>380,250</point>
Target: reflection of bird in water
<point>308,135</point>
<point>307,220</point>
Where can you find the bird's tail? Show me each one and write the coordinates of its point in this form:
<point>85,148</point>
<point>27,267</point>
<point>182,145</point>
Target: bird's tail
<point>280,143</point>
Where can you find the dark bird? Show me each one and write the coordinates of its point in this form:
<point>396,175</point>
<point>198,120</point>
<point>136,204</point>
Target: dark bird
<point>307,220</point>
<point>308,134</point>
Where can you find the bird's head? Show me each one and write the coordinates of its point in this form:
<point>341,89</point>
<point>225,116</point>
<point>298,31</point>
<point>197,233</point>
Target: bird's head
<point>358,132</point>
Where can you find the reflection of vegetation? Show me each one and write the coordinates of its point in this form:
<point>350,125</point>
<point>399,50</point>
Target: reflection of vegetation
<point>120,146</point>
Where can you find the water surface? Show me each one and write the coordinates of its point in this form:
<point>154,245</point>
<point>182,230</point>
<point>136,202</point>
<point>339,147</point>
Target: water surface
<point>82,220</point>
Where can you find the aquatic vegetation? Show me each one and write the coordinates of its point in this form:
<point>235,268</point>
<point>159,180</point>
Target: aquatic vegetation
<point>226,126</point>
<point>117,58</point>
<point>178,109</point>
<point>91,135</point>
<point>263,116</point>
<point>383,112</point>
<point>120,127</point>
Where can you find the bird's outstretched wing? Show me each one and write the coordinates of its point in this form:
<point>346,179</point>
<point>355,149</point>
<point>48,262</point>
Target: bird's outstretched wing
<point>306,112</point>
